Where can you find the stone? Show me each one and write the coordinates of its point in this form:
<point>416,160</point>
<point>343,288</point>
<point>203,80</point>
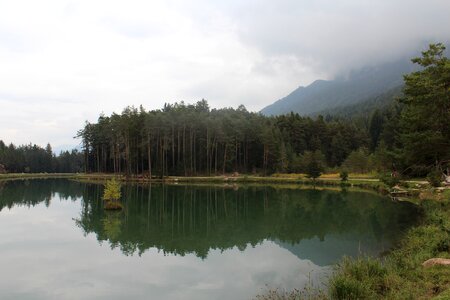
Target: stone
<point>436,261</point>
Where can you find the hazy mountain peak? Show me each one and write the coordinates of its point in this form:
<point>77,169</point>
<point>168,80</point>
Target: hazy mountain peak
<point>346,89</point>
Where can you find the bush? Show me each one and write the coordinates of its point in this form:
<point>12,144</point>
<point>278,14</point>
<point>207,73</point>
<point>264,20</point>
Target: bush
<point>112,190</point>
<point>434,178</point>
<point>344,175</point>
<point>313,169</point>
<point>389,180</point>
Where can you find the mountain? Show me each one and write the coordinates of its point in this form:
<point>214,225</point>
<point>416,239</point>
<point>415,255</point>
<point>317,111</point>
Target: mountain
<point>360,86</point>
<point>365,107</point>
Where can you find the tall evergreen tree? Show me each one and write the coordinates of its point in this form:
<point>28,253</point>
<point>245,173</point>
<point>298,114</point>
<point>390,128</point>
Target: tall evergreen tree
<point>425,119</point>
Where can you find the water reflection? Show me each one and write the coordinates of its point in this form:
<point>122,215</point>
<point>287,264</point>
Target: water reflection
<point>320,226</point>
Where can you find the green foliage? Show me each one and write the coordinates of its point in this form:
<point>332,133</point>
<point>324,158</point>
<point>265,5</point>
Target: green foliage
<point>357,279</point>
<point>308,292</point>
<point>194,140</point>
<point>314,165</point>
<point>314,170</point>
<point>435,178</point>
<point>383,158</point>
<point>112,190</point>
<point>35,159</point>
<point>343,175</point>
<point>348,288</point>
<point>375,128</point>
<point>401,274</point>
<point>424,120</point>
<point>358,161</point>
<point>389,180</point>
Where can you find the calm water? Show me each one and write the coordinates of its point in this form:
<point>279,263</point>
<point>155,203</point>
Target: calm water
<point>182,242</point>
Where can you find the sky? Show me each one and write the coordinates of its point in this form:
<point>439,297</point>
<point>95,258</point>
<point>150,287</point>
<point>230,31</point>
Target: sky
<point>64,62</point>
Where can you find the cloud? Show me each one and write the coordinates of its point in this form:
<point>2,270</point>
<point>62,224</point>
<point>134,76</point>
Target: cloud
<point>64,62</point>
<point>336,36</point>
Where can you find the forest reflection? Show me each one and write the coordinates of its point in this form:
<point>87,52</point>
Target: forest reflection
<point>195,219</point>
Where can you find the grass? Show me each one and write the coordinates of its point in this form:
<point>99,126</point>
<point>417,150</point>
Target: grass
<point>400,275</point>
<point>443,296</point>
<point>365,181</point>
<point>278,294</point>
<point>19,176</point>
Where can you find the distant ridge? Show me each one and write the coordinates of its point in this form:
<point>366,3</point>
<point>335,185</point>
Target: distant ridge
<point>365,107</point>
<point>325,96</point>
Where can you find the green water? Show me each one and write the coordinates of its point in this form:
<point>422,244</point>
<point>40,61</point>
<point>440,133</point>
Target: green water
<point>183,242</point>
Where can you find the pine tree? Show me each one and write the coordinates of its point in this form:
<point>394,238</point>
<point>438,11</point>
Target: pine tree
<point>425,119</point>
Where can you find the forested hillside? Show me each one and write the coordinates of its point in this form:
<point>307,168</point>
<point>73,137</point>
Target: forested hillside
<point>359,87</point>
<point>365,108</point>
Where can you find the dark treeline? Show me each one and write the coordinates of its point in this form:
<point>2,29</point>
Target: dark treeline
<point>193,139</point>
<point>35,159</point>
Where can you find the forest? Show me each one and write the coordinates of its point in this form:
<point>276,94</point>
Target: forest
<point>35,159</point>
<point>194,140</point>
<point>409,136</point>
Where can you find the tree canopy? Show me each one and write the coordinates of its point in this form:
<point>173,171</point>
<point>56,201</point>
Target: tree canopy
<point>193,139</point>
<point>425,119</point>
<point>35,159</point>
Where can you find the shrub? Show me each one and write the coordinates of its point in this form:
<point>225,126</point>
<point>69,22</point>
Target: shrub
<point>344,175</point>
<point>389,180</point>
<point>348,288</point>
<point>112,190</point>
<point>434,178</point>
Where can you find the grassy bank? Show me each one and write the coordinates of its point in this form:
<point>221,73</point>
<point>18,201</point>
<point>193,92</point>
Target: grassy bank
<point>18,176</point>
<point>363,181</point>
<point>400,275</point>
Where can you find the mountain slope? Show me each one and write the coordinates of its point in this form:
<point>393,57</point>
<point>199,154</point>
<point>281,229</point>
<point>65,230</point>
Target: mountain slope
<point>360,86</point>
<point>365,107</point>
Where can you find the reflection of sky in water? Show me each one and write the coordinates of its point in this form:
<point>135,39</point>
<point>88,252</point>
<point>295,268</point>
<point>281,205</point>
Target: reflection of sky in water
<point>67,247</point>
<point>44,256</point>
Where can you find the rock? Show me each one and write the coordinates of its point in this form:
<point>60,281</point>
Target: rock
<point>436,261</point>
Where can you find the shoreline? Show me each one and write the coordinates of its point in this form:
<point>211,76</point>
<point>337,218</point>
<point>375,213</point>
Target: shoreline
<point>412,190</point>
<point>361,181</point>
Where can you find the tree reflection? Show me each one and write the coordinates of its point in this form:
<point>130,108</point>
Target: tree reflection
<point>195,219</point>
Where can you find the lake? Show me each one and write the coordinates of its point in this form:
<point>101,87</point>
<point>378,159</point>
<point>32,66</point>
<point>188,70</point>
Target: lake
<point>183,242</point>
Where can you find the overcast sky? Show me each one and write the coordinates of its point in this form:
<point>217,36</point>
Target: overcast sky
<point>64,62</point>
